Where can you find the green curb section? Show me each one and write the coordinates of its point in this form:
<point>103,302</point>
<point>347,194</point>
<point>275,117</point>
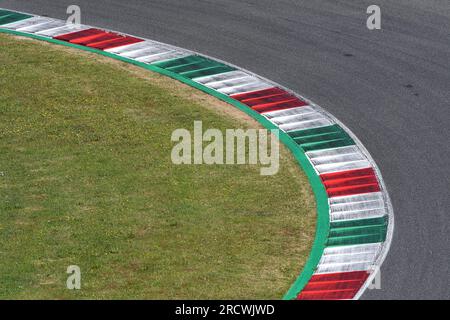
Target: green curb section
<point>10,17</point>
<point>194,66</point>
<point>322,138</point>
<point>355,232</point>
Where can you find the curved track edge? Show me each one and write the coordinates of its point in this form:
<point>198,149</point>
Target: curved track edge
<point>355,219</point>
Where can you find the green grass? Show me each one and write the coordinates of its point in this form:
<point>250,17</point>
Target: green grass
<point>86,179</point>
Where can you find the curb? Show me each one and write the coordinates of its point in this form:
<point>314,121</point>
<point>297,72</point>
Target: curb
<point>355,219</point>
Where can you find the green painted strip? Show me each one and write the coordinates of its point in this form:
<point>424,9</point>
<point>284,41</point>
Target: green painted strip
<point>358,231</point>
<point>322,225</point>
<point>328,144</point>
<point>355,231</point>
<point>322,138</point>
<point>178,62</point>
<point>315,131</point>
<point>10,17</point>
<point>194,66</point>
<point>308,133</point>
<point>359,222</point>
<point>358,239</point>
<point>207,72</point>
<point>5,12</point>
<point>319,138</point>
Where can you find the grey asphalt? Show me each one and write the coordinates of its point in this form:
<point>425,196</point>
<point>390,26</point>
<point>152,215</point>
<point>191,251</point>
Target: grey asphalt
<point>391,87</point>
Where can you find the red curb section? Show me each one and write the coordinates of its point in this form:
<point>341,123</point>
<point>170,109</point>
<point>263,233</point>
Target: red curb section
<point>333,286</point>
<point>98,39</point>
<point>272,99</point>
<point>347,183</point>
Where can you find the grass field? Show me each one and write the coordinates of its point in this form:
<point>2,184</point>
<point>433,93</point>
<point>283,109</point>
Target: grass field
<point>86,179</point>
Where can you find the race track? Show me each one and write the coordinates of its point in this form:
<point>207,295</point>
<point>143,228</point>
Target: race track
<point>390,87</point>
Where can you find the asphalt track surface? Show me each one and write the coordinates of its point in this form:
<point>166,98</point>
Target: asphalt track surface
<point>391,87</point>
